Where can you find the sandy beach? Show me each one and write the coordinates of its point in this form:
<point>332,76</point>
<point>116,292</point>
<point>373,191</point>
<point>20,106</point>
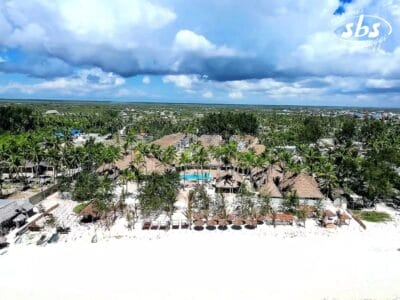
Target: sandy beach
<point>286,262</point>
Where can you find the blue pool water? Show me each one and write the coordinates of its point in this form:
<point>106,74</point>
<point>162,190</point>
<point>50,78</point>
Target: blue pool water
<point>197,177</point>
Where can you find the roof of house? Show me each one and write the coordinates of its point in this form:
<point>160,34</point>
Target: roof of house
<point>152,165</point>
<point>229,180</point>
<point>258,149</point>
<point>270,189</point>
<point>11,208</point>
<point>304,185</point>
<point>148,165</point>
<point>210,140</point>
<point>169,140</point>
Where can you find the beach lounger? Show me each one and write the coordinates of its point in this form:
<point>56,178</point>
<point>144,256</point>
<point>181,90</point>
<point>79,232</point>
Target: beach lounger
<point>184,224</point>
<point>146,225</point>
<point>154,225</point>
<point>164,225</point>
<point>175,224</point>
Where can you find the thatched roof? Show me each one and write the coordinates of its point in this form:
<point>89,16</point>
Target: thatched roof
<point>270,189</point>
<point>210,140</point>
<point>211,223</point>
<point>258,149</point>
<point>90,210</point>
<point>304,185</point>
<point>169,140</point>
<point>229,180</point>
<point>151,165</point>
<point>121,164</point>
<point>148,166</point>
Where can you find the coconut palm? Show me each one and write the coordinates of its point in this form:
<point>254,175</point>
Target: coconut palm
<point>328,177</point>
<point>184,159</point>
<point>200,157</point>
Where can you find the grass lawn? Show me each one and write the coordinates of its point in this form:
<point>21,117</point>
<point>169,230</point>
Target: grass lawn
<point>77,209</point>
<point>373,216</point>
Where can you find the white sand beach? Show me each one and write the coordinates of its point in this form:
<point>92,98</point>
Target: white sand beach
<point>286,262</point>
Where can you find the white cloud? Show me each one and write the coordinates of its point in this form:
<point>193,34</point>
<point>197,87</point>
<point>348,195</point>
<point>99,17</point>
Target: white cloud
<point>85,81</point>
<point>208,94</point>
<point>188,41</point>
<point>182,81</point>
<point>146,80</point>
<point>235,95</point>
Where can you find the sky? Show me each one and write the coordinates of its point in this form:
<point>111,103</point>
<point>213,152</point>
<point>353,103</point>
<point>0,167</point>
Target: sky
<point>211,51</point>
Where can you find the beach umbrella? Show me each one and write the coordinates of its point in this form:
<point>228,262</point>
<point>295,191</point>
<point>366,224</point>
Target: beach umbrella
<point>198,225</point>
<point>260,219</point>
<point>230,218</point>
<point>211,224</point>
<point>222,224</point>
<point>237,223</point>
<point>251,223</point>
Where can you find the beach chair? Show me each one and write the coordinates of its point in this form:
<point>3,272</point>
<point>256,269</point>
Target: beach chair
<point>146,225</point>
<point>185,224</point>
<point>154,225</point>
<point>164,225</point>
<point>175,224</point>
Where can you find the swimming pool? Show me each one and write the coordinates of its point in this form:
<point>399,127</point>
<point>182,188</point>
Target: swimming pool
<point>197,177</point>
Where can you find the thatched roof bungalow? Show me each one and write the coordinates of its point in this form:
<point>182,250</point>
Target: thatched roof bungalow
<point>149,165</point>
<point>228,182</point>
<point>270,189</point>
<point>305,187</point>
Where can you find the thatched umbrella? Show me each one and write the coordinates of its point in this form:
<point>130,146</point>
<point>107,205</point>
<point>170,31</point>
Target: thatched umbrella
<point>211,225</point>
<point>90,214</point>
<point>260,219</point>
<point>237,223</point>
<point>216,218</point>
<point>198,216</point>
<point>251,223</point>
<point>198,225</point>
<point>230,218</point>
<point>269,219</point>
<point>222,224</point>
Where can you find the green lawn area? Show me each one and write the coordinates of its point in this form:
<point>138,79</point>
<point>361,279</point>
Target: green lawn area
<point>77,209</point>
<point>373,216</point>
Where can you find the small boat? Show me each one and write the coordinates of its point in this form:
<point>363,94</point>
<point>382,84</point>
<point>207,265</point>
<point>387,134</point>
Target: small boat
<point>4,251</point>
<point>94,239</point>
<point>54,238</point>
<point>18,240</point>
<point>4,244</point>
<point>41,240</point>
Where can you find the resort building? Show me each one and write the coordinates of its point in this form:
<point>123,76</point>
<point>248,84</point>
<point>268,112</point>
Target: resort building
<point>147,166</point>
<point>208,141</point>
<point>228,182</point>
<point>180,141</point>
<point>244,142</point>
<point>305,187</point>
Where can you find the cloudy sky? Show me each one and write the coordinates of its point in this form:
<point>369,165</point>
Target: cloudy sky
<point>212,51</point>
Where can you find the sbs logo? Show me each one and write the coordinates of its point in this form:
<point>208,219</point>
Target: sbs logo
<point>365,28</point>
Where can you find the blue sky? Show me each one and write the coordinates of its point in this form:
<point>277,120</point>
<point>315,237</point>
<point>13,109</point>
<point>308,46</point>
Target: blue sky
<point>220,51</point>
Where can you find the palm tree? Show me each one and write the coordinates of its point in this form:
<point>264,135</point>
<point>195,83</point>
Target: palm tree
<point>189,210</point>
<point>246,160</point>
<point>168,156</point>
<point>185,159</point>
<point>329,179</point>
<point>229,153</point>
<point>200,157</point>
<point>218,153</point>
